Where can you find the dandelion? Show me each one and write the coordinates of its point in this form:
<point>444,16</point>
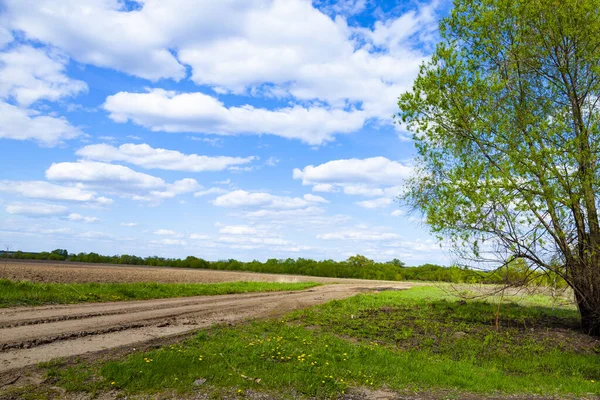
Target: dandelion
<point>112,383</point>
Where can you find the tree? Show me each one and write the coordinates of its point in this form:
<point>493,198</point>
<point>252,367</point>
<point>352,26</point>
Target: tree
<point>62,253</point>
<point>506,118</point>
<point>397,263</point>
<point>359,261</point>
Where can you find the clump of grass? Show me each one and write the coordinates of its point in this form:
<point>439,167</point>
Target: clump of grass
<point>23,293</point>
<point>401,340</point>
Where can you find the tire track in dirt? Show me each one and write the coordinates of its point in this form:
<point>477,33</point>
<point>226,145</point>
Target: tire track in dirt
<point>37,334</point>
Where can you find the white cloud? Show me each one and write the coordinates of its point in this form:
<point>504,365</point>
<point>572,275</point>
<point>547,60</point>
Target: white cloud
<point>397,213</point>
<point>36,209</point>
<point>169,242</point>
<point>119,179</point>
<point>375,170</point>
<point>238,230</point>
<point>369,177</point>
<point>148,157</point>
<point>168,111</point>
<point>81,218</point>
<point>20,124</point>
<point>166,232</point>
<point>324,187</point>
<point>212,190</point>
<point>96,235</point>
<point>182,186</point>
<point>264,48</point>
<point>199,236</point>
<point>283,214</point>
<point>315,199</point>
<point>376,203</point>
<point>254,240</point>
<point>49,191</point>
<point>102,33</point>
<point>28,74</point>
<point>100,173</point>
<point>129,224</point>
<point>358,235</point>
<point>244,199</point>
<point>272,161</point>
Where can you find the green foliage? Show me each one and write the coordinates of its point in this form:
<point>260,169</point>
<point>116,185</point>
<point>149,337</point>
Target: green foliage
<point>398,340</point>
<point>507,127</point>
<point>14,293</point>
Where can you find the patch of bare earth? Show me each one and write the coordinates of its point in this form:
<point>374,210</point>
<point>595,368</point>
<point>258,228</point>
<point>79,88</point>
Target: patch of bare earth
<point>80,272</point>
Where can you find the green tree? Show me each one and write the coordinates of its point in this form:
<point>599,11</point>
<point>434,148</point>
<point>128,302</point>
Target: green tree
<point>359,261</point>
<point>506,123</point>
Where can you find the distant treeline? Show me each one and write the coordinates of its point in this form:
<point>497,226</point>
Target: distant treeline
<point>358,267</point>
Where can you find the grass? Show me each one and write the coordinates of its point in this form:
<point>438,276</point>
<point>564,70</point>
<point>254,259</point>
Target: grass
<point>23,293</point>
<point>417,340</point>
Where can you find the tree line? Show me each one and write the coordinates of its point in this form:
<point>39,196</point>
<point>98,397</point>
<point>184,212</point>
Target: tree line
<point>357,267</point>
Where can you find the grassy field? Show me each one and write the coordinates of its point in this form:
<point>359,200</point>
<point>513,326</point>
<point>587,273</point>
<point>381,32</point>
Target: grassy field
<point>22,293</point>
<point>422,340</point>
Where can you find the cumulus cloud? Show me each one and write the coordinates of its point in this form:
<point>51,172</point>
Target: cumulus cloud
<point>244,199</point>
<point>36,209</point>
<point>376,203</point>
<point>98,173</point>
<point>199,236</point>
<point>119,179</point>
<point>370,177</point>
<point>166,232</point>
<point>148,157</point>
<point>129,224</point>
<point>285,49</point>
<point>28,74</point>
<point>169,111</point>
<point>212,190</point>
<point>82,218</point>
<point>375,170</point>
<point>283,214</point>
<point>358,235</point>
<point>49,191</point>
<point>255,240</point>
<point>102,33</point>
<point>315,199</point>
<point>169,242</point>
<point>238,230</point>
<point>20,124</point>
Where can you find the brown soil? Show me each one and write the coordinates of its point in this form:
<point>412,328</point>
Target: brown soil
<point>64,272</point>
<point>29,335</point>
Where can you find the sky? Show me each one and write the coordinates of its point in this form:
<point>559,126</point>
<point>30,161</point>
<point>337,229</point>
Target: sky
<point>246,129</point>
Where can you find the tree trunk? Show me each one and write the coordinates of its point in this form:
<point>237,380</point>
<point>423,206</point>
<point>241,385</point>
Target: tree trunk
<point>589,309</point>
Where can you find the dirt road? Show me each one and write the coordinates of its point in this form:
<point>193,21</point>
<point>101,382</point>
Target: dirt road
<point>36,334</point>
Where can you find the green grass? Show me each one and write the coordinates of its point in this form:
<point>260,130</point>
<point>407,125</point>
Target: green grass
<point>22,293</point>
<point>405,341</point>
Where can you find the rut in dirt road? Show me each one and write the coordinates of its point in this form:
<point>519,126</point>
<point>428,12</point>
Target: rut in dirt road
<point>36,334</point>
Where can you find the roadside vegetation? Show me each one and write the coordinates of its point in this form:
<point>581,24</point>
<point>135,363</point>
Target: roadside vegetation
<point>420,340</point>
<point>23,293</point>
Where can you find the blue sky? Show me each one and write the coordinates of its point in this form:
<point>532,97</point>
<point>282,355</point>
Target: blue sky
<point>249,129</point>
